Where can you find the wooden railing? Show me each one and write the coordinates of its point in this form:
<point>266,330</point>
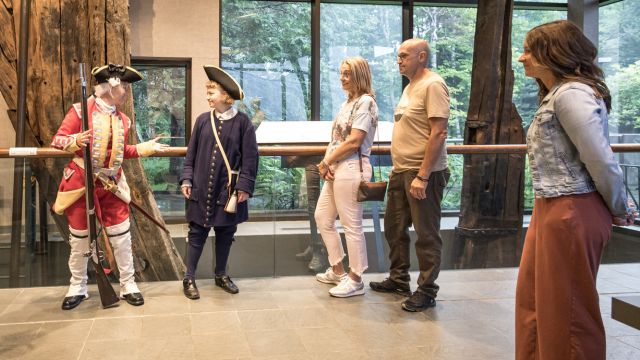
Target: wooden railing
<point>303,150</point>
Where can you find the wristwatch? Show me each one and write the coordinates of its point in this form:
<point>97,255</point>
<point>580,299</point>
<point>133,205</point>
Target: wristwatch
<point>422,178</point>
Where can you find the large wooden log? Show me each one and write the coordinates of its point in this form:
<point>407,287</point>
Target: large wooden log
<point>8,55</point>
<point>64,33</point>
<point>490,226</point>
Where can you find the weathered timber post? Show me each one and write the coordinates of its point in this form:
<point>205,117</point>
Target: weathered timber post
<point>490,226</point>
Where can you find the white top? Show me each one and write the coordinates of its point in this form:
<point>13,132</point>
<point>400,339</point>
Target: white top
<point>361,113</point>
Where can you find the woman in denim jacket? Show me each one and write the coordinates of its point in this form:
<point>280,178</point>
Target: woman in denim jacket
<point>579,193</point>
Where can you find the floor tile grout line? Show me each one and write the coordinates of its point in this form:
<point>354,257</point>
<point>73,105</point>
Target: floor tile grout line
<point>84,342</point>
<point>43,322</point>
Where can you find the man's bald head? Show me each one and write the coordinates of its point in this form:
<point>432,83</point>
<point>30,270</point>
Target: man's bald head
<point>416,46</point>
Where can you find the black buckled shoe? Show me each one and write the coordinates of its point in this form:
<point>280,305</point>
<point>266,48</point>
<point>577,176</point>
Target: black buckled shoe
<point>190,289</point>
<point>224,281</point>
<point>134,299</point>
<point>70,302</point>
<point>418,302</point>
<point>390,286</point>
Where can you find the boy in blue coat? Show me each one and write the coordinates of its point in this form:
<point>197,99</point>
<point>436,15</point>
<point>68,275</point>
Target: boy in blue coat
<point>207,182</point>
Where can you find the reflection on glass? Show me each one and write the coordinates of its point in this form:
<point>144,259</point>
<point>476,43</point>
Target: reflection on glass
<point>159,104</point>
<point>371,31</point>
<point>266,45</point>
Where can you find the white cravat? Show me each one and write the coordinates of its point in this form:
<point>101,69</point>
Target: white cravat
<point>229,114</point>
<point>104,107</point>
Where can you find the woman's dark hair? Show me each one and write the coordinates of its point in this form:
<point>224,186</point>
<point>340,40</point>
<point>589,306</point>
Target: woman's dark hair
<point>570,56</point>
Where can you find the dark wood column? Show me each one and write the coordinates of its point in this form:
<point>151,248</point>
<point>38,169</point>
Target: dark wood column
<point>491,208</point>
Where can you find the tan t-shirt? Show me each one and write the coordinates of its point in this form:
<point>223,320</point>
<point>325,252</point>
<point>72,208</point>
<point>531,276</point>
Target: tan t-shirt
<point>429,98</point>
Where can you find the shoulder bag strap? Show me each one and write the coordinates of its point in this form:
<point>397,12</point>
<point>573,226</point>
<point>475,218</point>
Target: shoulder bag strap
<point>359,152</point>
<point>349,128</point>
<point>222,152</point>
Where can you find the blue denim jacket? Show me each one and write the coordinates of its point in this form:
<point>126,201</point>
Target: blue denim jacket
<point>568,148</point>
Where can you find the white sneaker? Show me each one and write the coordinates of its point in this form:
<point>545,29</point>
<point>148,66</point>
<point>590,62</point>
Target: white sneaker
<point>329,277</point>
<point>347,288</point>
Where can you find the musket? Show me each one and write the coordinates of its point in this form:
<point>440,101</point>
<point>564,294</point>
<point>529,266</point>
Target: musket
<point>108,296</point>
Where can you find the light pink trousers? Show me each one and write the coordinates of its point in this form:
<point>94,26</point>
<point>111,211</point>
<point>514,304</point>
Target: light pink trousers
<point>338,198</point>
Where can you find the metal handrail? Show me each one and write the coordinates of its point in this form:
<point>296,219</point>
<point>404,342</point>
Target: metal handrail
<point>303,150</point>
<point>625,171</point>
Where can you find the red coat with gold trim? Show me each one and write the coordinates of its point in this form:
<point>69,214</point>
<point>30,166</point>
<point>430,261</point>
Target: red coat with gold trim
<point>107,130</point>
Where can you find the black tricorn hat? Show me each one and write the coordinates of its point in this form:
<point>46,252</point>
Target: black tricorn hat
<point>228,83</point>
<point>121,72</point>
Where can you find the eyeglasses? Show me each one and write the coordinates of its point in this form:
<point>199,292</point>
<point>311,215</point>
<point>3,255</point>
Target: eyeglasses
<point>405,56</point>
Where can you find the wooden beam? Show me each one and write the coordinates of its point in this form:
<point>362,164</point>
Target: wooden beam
<point>492,201</point>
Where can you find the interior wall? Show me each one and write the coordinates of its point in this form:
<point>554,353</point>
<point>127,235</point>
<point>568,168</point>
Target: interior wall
<point>179,28</point>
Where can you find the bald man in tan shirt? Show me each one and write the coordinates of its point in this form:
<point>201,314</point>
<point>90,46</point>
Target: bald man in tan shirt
<point>418,179</point>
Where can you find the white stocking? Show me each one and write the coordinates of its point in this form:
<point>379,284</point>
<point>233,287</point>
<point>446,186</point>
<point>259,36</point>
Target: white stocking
<point>79,242</point>
<point>120,238</point>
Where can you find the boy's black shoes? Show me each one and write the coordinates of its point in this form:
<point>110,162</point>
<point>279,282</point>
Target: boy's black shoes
<point>190,289</point>
<point>224,281</point>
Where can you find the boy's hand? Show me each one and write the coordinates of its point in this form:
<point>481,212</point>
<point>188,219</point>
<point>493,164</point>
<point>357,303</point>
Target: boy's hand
<point>242,196</point>
<point>186,191</point>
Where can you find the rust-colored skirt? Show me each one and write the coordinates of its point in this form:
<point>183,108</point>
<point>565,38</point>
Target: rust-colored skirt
<point>557,310</point>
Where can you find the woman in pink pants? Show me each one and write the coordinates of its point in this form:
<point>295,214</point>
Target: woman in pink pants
<point>345,163</point>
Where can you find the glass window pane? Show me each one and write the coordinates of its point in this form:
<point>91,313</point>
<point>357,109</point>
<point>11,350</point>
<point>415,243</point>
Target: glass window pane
<point>619,57</point>
<point>371,31</point>
<point>525,89</point>
<point>159,104</point>
<point>450,33</point>
<point>266,45</point>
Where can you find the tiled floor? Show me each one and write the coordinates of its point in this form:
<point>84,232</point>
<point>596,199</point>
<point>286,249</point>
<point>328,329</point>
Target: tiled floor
<point>290,318</point>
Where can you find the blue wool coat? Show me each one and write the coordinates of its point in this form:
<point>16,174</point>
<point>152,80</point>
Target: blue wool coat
<point>205,168</point>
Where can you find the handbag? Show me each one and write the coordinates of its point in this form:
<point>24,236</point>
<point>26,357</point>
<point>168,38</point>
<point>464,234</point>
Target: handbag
<point>231,206</point>
<point>370,190</point>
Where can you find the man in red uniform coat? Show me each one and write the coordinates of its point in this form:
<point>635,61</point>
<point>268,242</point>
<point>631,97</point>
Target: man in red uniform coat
<point>107,134</point>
